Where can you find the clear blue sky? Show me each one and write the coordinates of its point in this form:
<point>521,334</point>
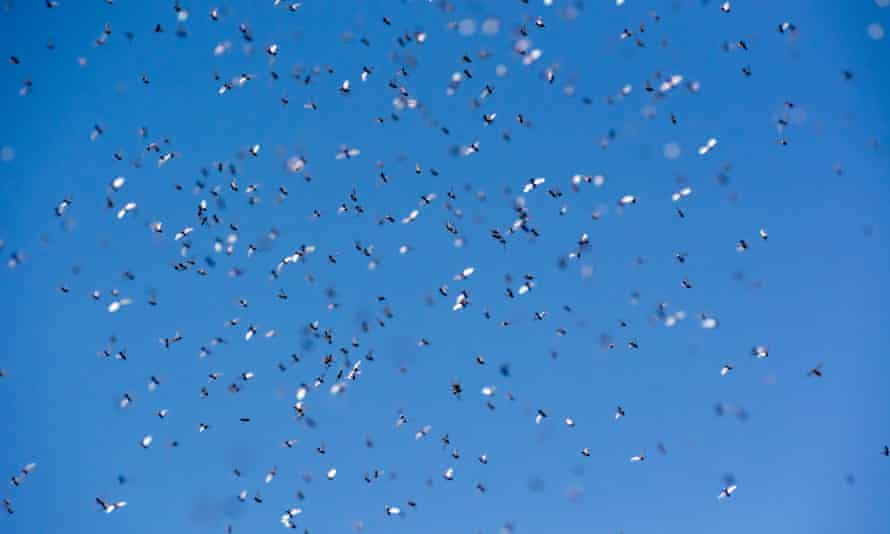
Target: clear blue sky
<point>807,456</point>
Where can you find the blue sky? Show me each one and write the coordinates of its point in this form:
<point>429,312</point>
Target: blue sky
<point>807,456</point>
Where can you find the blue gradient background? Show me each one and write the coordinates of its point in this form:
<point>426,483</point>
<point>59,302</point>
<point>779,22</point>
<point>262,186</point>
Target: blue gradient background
<point>815,292</point>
